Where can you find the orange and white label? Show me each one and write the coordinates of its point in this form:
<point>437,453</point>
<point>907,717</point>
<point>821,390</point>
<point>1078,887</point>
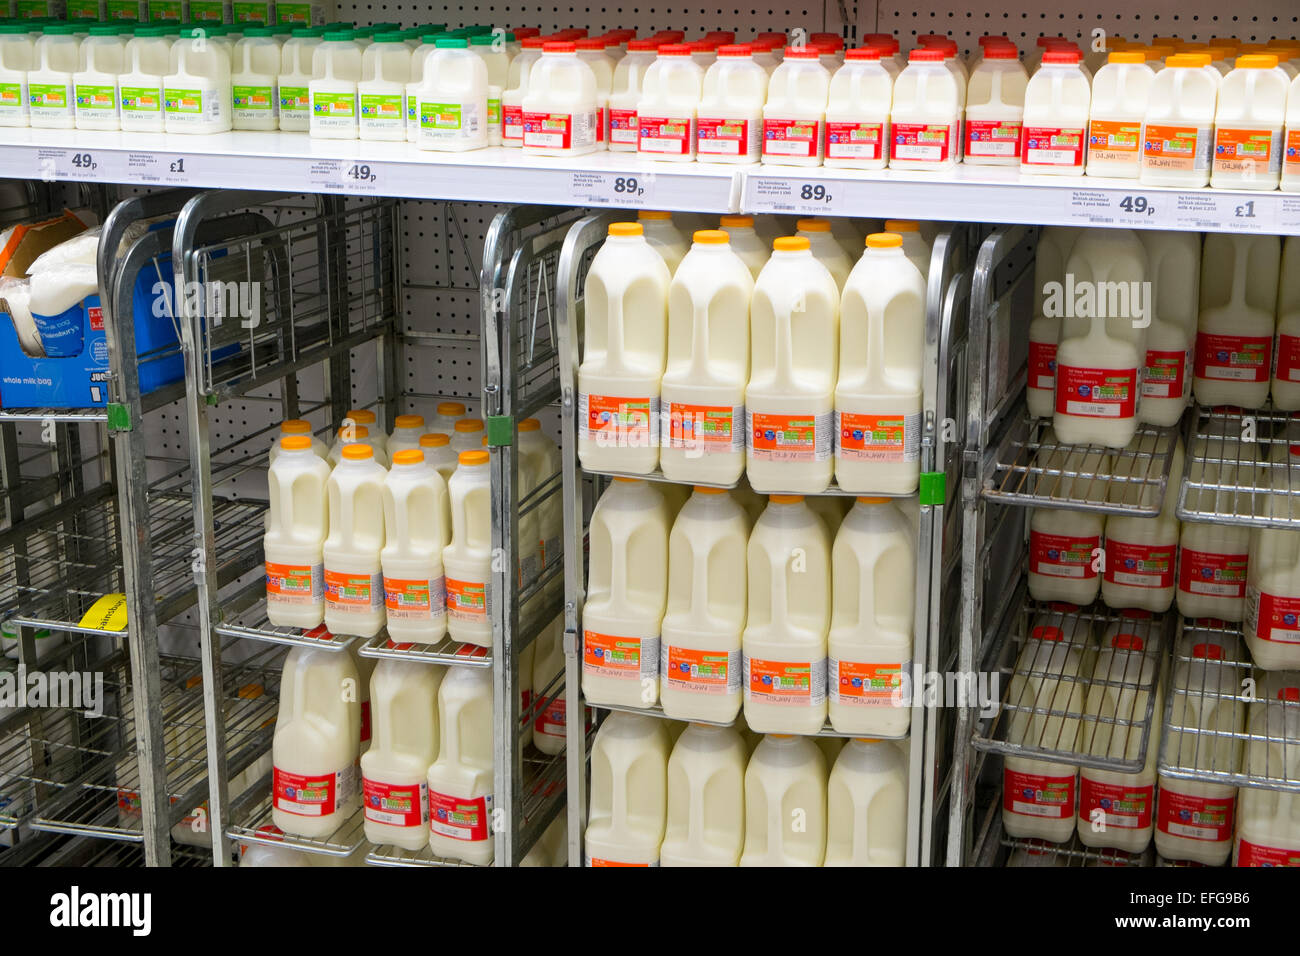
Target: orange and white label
<point>864,684</point>
<point>1195,818</point>
<point>1054,146</point>
<point>727,137</point>
<point>1247,151</point>
<point>460,818</point>
<point>1177,147</point>
<point>406,805</point>
<point>1038,795</point>
<point>622,127</point>
<point>619,421</point>
<point>667,136</point>
<point>784,138</point>
<point>623,658</point>
<point>418,599</point>
<point>353,593</point>
<point>891,438</point>
<point>707,429</point>
<point>712,673</point>
<point>467,600</point>
<point>315,795</point>
<point>993,138</point>
<point>295,583</point>
<point>597,861</point>
<point>795,438</point>
<point>1115,141</point>
<point>923,142</point>
<point>1166,374</point>
<point>788,683</point>
<point>856,140</point>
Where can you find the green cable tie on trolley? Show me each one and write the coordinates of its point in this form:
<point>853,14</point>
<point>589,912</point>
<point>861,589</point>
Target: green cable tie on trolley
<point>500,430</point>
<point>933,488</point>
<point>119,417</point>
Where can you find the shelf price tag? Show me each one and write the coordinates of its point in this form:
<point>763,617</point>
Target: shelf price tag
<point>1100,207</point>
<point>1288,213</point>
<point>1208,210</point>
<point>773,194</point>
<point>344,175</point>
<point>74,165</point>
<point>164,168</point>
<point>613,189</point>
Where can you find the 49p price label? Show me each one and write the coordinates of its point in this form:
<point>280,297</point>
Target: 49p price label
<point>613,189</point>
<point>79,165</point>
<point>345,175</point>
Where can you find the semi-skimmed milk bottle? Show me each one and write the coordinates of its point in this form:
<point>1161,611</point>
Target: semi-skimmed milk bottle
<point>873,587</point>
<point>1248,124</point>
<point>296,525</point>
<point>197,92</point>
<point>1238,318</point>
<point>624,353</point>
<point>700,650</point>
<point>17,52</point>
<point>702,396</point>
<point>877,424</point>
<point>627,591</point>
<point>629,791</point>
<point>857,111</point>
<point>786,774</point>
<point>467,559</point>
<point>140,87</point>
<point>1178,129</point>
<point>1271,625</point>
<point>866,805</point>
<point>1055,243</point>
<point>706,798</point>
<point>1174,271</point>
<point>1064,544</point>
<point>729,122</point>
<point>354,581</point>
<point>415,534</point>
<point>1054,137</point>
<point>49,83</point>
<point>794,116</point>
<point>826,249</point>
<point>102,60</point>
<point>559,108</point>
<point>592,51</point>
<point>254,73</point>
<point>395,770</point>
<point>784,642</point>
<point>1268,821</point>
<point>460,780</point>
<point>1142,552</point>
<point>296,73</point>
<point>794,331</point>
<point>315,781</point>
<point>336,70</point>
<point>381,94</point>
<point>451,99</point>
<point>995,107</point>
<point>925,119</point>
<point>1285,389</point>
<point>517,85</point>
<point>1120,91</point>
<point>665,114</point>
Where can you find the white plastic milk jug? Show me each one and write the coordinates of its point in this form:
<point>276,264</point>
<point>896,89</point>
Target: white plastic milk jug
<point>1120,92</point>
<point>332,91</point>
<point>995,107</point>
<point>1178,129</point>
<point>629,791</point>
<point>866,805</point>
<point>49,84</point>
<point>1268,825</point>
<point>451,99</point>
<point>354,582</point>
<point>17,53</point>
<point>467,559</point>
<point>296,73</point>
<point>1248,124</point>
<point>1285,389</point>
<point>748,245</point>
<point>706,798</point>
<point>407,430</point>
<point>786,774</point>
<point>1142,552</point>
<point>381,94</point>
<point>296,524</point>
<point>415,535</point>
<point>1174,271</point>
<point>794,116</point>
<point>255,71</point>
<point>1054,137</point>
<point>1064,544</point>
<point>460,780</point>
<point>925,120</point>
<point>826,249</point>
<point>559,108</point>
<point>102,60</point>
<point>1055,243</point>
<point>664,236</point>
<point>625,93</point>
<point>1234,340</point>
<point>729,122</point>
<point>857,111</point>
<point>670,96</point>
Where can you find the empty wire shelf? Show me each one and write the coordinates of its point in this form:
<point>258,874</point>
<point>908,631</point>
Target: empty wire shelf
<point>832,489</point>
<point>396,856</point>
<point>657,710</point>
<point>1240,469</point>
<point>256,826</point>
<point>1030,853</point>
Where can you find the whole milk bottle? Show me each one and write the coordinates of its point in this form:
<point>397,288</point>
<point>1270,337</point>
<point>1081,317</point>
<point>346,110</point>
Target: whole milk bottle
<point>1271,626</point>
<point>794,331</point>
<point>794,116</point>
<point>467,559</point>
<point>1238,317</point>
<point>784,643</point>
<point>296,524</point>
<point>857,111</point>
<point>1285,389</point>
<point>1064,543</point>
<point>629,791</point>
<point>866,805</point>
<point>1055,243</point>
<point>460,779</point>
<point>415,535</point>
<point>702,394</point>
<point>1174,270</point>
<point>1213,558</point>
<point>785,803</point>
<point>550,724</point>
<point>1268,827</point>
<point>354,580</point>
<point>1142,552</point>
<point>729,123</point>
<point>706,798</point>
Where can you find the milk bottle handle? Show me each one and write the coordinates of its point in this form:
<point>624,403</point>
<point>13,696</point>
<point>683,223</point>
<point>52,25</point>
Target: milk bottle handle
<point>700,343</point>
<point>618,795</point>
<point>784,345</point>
<point>1237,298</point>
<point>875,344</point>
<point>618,572</point>
<point>614,324</point>
<point>699,584</point>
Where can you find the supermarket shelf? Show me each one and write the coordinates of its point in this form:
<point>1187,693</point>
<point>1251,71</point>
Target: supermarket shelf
<point>396,856</point>
<point>658,711</point>
<point>1073,853</point>
<point>446,651</point>
<point>1220,753</point>
<point>254,625</point>
<point>832,489</point>
<point>256,827</point>
<point>1240,470</point>
<point>1038,472</point>
<point>157,398</point>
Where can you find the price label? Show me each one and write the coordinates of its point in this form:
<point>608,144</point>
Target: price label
<point>344,175</point>
<point>1206,210</point>
<point>1288,213</point>
<point>75,165</point>
<point>162,168</point>
<point>796,196</point>
<point>1100,207</point>
<point>613,189</point>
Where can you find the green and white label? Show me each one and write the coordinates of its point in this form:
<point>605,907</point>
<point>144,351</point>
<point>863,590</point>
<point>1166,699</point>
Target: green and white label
<point>29,9</point>
<point>83,10</point>
<point>294,98</point>
<point>259,99</point>
<point>13,98</point>
<point>48,96</point>
<point>252,12</point>
<point>183,102</point>
<point>96,97</point>
<point>442,116</point>
<point>165,10</point>
<point>122,10</point>
<point>293,13</point>
<point>494,112</point>
<point>208,10</point>
<point>141,99</point>
<point>328,105</point>
<point>377,107</point>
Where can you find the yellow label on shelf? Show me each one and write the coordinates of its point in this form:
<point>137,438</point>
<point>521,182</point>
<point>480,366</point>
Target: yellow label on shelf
<point>106,614</point>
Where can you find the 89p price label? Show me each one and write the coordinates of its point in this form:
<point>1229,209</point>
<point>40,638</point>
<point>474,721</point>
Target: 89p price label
<point>613,189</point>
<point>774,194</point>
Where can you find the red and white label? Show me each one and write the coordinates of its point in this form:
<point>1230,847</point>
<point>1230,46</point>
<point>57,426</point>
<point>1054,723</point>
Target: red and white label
<point>96,315</point>
<point>1038,795</point>
<point>864,684</point>
<point>726,137</point>
<point>783,138</point>
<point>1042,365</point>
<point>619,657</point>
<point>1272,617</point>
<point>1062,556</point>
<point>891,438</point>
<point>711,673</point>
<point>1286,366</point>
<point>512,122</point>
<point>803,438</point>
<point>993,138</point>
<point>706,429</point>
<point>665,135</point>
<point>551,719</point>
<point>1213,575</point>
<point>353,593</point>
<point>921,142</point>
<point>622,127</point>
<point>302,584</point>
<point>787,683</point>
<point>1128,808</point>
<point>1140,565</point>
<point>1166,374</point>
<point>1096,392</point>
<point>467,600</point>
<point>619,421</point>
<point>415,599</point>
<point>1256,854</point>
<point>545,130</point>
<point>856,140</point>
<point>315,795</point>
<point>459,818</point>
<point>1233,358</point>
<point>1054,146</point>
<point>405,805</point>
<point>1195,818</point>
<point>1291,153</point>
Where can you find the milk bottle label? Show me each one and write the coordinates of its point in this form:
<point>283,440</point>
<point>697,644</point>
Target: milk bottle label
<point>96,99</point>
<point>787,683</point>
<point>1254,854</point>
<point>622,658</point>
<point>877,437</point>
<point>1177,147</point>
<point>467,600</point>
<point>191,105</point>
<point>1214,575</point>
<point>622,127</point>
<point>1042,365</point>
<point>1248,151</point>
<point>560,130</point>
<point>1195,818</point>
<point>459,818</point>
<point>706,429</point>
<point>348,592</point>
<point>13,99</point>
<point>1096,392</point>
<point>1140,565</point>
<point>334,109</point>
<point>790,137</point>
<point>1052,145</point>
<point>448,120</point>
<point>662,134</point>
<point>415,600</point>
<point>1115,141</point>
<point>711,673</point>
<point>295,583</point>
<point>726,137</point>
<point>1062,556</point>
<point>1166,374</point>
<point>1126,807</point>
<point>50,100</point>
<point>856,140</point>
<point>1038,795</point>
<point>315,795</point>
<point>493,113</point>
<point>1291,157</point>
<point>619,421</point>
<point>926,142</point>
<point>794,438</point>
<point>405,805</point>
<point>1287,364</point>
<point>255,102</point>
<point>295,99</point>
<point>382,110</point>
<point>1235,358</point>
<point>551,721</point>
<point>861,684</point>
<point>993,138</point>
<point>512,123</point>
<point>1272,617</point>
<point>597,861</point>
<point>138,100</point>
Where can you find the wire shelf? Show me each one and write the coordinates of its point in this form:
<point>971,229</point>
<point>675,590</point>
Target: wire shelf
<point>1096,714</point>
<point>1240,469</point>
<point>1032,469</point>
<point>657,710</point>
<point>257,827</point>
<point>253,624</point>
<point>92,415</point>
<point>833,489</point>
<point>1225,719</point>
<point>446,651</point>
<point>396,856</point>
<point>1026,852</point>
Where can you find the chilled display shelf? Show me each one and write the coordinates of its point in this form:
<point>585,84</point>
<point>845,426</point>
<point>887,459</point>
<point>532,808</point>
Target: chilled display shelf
<point>253,624</point>
<point>446,651</point>
<point>157,398</point>
<point>256,827</point>
<point>1065,728</point>
<point>1022,852</point>
<point>1229,693</point>
<point>832,489</point>
<point>657,710</point>
<point>396,856</point>
<point>1240,470</point>
<point>1039,472</point>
